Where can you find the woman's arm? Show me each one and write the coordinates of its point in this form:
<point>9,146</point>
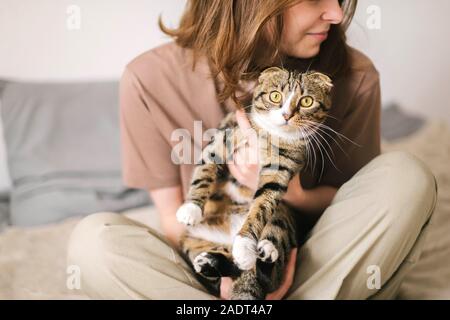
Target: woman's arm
<point>167,201</point>
<point>314,200</point>
<point>146,162</point>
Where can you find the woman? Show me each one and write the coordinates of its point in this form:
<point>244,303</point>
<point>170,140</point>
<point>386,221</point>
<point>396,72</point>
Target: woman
<point>364,213</point>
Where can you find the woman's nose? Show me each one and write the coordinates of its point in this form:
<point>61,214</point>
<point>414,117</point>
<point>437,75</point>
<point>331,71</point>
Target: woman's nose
<point>332,11</point>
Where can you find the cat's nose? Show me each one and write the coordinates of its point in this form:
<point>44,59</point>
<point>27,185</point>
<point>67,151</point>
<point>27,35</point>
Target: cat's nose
<point>287,116</point>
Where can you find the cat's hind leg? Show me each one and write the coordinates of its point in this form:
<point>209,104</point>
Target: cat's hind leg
<point>209,259</point>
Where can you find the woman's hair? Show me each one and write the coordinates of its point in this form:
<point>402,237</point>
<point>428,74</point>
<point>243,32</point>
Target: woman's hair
<point>232,34</point>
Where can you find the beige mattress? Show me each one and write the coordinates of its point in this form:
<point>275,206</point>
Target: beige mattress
<point>32,261</point>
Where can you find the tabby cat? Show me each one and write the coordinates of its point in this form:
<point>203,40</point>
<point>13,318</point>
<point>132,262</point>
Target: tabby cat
<point>232,230</point>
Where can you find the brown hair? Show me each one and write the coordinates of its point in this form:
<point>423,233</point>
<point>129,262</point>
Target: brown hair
<point>230,33</point>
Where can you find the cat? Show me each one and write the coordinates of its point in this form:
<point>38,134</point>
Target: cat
<point>234,231</point>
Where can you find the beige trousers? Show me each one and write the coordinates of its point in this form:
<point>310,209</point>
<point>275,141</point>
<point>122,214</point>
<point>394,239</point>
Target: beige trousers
<point>362,246</point>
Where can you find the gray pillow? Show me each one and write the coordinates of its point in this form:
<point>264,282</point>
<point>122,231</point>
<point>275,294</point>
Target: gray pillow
<point>397,123</point>
<point>63,148</point>
<point>4,210</point>
<point>4,193</point>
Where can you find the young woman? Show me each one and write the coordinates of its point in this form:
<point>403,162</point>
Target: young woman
<point>364,213</point>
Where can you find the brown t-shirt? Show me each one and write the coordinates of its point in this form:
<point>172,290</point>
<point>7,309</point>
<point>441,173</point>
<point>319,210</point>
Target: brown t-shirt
<point>160,92</point>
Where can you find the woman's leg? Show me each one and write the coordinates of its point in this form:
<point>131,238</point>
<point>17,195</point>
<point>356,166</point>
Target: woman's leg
<point>123,259</point>
<point>374,226</point>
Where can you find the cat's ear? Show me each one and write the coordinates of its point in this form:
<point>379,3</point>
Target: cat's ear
<point>323,79</point>
<point>268,73</point>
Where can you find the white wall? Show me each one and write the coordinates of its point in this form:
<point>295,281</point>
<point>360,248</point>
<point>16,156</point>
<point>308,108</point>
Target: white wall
<point>411,50</point>
<point>35,42</point>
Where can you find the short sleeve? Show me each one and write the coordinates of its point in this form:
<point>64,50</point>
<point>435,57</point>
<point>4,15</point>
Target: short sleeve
<point>145,153</point>
<point>360,127</point>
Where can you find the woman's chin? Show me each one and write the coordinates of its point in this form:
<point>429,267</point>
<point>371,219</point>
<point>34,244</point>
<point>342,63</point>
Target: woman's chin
<point>306,52</point>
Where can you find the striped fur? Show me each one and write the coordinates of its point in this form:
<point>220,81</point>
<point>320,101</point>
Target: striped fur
<point>232,230</point>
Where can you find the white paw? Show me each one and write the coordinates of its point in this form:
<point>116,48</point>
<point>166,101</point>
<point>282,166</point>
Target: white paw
<point>267,251</point>
<point>201,260</point>
<point>244,252</point>
<point>189,214</point>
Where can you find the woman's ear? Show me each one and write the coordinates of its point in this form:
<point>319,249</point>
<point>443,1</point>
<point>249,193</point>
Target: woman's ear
<point>269,73</point>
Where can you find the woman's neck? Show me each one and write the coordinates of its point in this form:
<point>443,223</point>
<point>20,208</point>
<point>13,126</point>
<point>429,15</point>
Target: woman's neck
<point>299,64</point>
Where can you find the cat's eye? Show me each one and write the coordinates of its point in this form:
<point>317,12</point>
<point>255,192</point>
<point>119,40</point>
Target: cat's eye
<point>275,96</point>
<point>306,102</point>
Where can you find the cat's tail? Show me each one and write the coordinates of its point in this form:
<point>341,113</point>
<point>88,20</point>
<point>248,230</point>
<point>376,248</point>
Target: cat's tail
<point>247,287</point>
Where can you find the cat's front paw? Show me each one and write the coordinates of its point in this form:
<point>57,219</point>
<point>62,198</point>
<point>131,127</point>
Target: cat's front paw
<point>244,252</point>
<point>189,214</point>
<point>267,251</point>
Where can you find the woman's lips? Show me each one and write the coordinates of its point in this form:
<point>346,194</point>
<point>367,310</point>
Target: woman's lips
<point>321,36</point>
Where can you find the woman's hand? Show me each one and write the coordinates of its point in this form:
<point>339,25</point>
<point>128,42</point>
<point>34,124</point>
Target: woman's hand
<point>287,280</point>
<point>245,166</point>
<point>295,193</point>
<point>226,282</point>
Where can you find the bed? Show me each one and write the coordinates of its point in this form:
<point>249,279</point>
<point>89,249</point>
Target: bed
<point>32,255</point>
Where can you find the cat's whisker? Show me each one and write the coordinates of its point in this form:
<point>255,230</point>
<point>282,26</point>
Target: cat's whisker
<point>331,137</point>
<point>317,133</point>
<point>316,136</point>
<point>310,150</point>
<point>313,151</point>
<point>311,141</point>
<point>330,116</point>
<point>340,135</point>
<point>302,137</point>
<point>334,131</point>
<point>307,148</point>
<point>320,150</point>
